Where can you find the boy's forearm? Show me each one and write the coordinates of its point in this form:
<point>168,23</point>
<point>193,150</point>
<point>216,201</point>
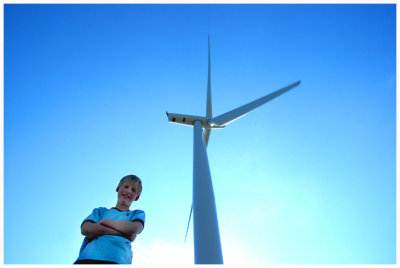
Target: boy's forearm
<point>123,226</point>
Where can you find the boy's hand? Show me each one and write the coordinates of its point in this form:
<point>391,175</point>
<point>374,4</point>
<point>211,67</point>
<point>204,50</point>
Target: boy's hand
<point>132,237</point>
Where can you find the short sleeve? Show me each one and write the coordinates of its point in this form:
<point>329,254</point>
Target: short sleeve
<point>95,216</point>
<point>139,215</point>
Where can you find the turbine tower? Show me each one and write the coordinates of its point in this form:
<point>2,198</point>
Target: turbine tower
<point>207,242</point>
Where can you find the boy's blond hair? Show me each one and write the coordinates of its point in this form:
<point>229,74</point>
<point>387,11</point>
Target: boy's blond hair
<point>134,179</point>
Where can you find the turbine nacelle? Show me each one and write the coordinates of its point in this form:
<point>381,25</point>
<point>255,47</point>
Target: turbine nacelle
<point>189,120</point>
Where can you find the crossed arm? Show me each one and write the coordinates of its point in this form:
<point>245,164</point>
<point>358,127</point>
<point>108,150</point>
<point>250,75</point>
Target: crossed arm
<point>123,228</point>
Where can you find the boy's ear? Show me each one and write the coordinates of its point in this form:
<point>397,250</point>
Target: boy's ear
<point>137,198</point>
<point>117,189</point>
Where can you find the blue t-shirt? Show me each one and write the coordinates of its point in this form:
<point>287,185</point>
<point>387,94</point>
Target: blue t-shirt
<point>110,247</point>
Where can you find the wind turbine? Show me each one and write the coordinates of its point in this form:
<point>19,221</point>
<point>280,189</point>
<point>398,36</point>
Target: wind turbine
<point>207,242</point>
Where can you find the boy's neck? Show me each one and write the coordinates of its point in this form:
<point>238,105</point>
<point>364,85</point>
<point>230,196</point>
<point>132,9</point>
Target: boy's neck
<point>122,207</point>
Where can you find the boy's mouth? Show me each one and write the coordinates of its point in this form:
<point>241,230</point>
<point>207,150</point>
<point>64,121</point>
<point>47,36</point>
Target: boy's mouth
<point>126,196</point>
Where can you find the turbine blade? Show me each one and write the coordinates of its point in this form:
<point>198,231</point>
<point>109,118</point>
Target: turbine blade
<point>209,107</point>
<point>207,135</point>
<point>232,115</point>
<point>190,215</point>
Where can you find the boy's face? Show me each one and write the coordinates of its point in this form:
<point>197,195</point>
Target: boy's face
<point>127,193</point>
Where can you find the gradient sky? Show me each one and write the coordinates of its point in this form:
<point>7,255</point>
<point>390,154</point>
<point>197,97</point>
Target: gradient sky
<point>310,177</point>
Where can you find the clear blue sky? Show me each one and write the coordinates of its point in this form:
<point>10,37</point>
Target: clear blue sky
<point>307,178</point>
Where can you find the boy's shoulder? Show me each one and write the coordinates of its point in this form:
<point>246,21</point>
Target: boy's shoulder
<point>137,211</point>
<point>138,214</point>
<point>101,208</point>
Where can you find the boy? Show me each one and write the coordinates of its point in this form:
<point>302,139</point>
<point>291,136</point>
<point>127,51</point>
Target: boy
<point>109,232</point>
